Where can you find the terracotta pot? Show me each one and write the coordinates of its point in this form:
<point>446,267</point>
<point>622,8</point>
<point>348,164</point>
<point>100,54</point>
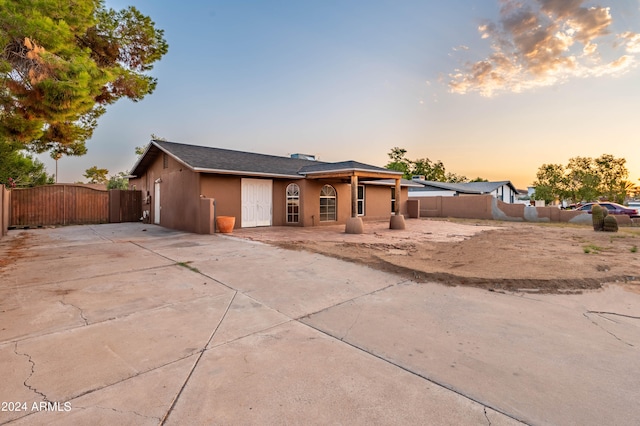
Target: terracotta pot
<point>225,224</point>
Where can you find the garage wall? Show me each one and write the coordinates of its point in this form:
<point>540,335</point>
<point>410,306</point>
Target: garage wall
<point>226,190</point>
<point>179,194</point>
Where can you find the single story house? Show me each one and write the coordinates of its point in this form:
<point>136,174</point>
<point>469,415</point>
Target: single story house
<point>185,186</point>
<point>502,190</point>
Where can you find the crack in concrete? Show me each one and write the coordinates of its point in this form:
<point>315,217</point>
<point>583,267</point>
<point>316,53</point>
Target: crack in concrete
<point>355,321</point>
<point>33,370</point>
<point>195,364</point>
<point>487,416</point>
<point>416,373</point>
<point>586,315</point>
<point>612,313</point>
<point>120,411</point>
<point>63,303</point>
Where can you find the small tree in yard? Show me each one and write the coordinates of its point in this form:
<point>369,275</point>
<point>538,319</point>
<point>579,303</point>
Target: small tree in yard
<point>18,169</point>
<point>119,181</point>
<point>96,175</point>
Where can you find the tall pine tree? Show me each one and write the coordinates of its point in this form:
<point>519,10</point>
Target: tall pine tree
<point>63,62</point>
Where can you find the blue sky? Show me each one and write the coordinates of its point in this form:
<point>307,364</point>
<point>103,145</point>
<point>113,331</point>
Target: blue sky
<point>491,88</point>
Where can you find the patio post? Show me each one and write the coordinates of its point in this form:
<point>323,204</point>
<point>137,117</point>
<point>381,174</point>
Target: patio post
<point>397,220</point>
<point>354,224</point>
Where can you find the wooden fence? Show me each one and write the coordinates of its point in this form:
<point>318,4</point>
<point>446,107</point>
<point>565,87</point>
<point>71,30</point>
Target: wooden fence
<point>4,210</point>
<point>71,205</point>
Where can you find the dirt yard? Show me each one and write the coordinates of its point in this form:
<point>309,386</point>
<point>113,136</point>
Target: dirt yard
<point>498,256</point>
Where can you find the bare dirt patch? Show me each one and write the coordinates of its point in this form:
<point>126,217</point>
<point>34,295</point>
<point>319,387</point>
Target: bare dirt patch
<point>547,258</point>
<point>12,249</point>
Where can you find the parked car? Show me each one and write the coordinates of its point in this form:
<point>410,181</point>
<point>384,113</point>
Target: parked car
<point>613,208</point>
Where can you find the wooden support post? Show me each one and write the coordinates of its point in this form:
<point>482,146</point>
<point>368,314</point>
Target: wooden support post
<point>398,196</point>
<point>354,223</point>
<point>354,196</point>
<point>397,220</point>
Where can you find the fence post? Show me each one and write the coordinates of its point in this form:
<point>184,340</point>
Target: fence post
<point>4,210</point>
<point>114,206</point>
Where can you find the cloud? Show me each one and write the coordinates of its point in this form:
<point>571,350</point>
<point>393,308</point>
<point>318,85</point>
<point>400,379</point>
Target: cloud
<point>539,43</point>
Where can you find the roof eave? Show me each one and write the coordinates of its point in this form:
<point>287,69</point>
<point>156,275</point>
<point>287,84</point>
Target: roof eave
<point>246,173</point>
<point>348,170</point>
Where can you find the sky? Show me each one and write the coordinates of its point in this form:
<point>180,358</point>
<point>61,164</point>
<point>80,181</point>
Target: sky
<point>493,89</point>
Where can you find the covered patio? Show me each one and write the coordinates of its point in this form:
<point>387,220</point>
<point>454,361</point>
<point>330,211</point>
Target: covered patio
<point>354,173</point>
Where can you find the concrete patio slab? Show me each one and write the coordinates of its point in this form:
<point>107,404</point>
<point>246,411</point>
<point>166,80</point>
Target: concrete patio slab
<point>137,324</point>
<point>291,374</point>
<point>535,359</point>
<point>140,400</point>
<point>295,283</point>
<point>40,309</point>
<point>70,363</point>
<point>80,262</point>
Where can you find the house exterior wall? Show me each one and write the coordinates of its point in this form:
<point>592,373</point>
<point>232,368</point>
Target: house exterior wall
<point>505,194</point>
<point>310,201</point>
<point>502,193</point>
<point>179,194</point>
<point>226,190</point>
<point>182,190</point>
<point>377,202</point>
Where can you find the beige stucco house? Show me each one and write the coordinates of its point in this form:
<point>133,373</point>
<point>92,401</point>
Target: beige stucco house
<point>185,186</point>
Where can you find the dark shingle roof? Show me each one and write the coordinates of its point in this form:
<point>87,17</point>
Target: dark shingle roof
<point>343,165</point>
<point>217,160</point>
<point>207,159</point>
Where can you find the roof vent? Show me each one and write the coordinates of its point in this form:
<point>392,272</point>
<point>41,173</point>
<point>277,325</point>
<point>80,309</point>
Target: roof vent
<point>304,157</point>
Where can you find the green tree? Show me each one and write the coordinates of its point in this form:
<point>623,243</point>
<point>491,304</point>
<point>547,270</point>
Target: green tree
<point>119,181</point>
<point>431,170</point>
<point>96,175</point>
<point>582,180</point>
<point>455,178</point>
<point>613,174</point>
<point>434,171</point>
<point>18,169</point>
<point>550,184</point>
<point>62,63</point>
<point>398,162</point>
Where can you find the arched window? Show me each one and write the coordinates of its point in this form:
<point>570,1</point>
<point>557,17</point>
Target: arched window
<point>328,204</point>
<point>293,203</point>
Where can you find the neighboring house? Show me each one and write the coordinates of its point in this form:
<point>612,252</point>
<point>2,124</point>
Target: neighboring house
<point>260,190</point>
<point>502,190</point>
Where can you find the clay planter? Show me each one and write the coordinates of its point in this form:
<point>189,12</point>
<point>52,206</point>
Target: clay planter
<point>225,224</point>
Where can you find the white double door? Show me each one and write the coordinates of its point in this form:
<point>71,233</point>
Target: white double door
<point>257,199</point>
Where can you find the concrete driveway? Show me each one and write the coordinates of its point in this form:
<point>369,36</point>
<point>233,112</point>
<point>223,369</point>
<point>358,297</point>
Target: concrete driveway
<point>135,324</point>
